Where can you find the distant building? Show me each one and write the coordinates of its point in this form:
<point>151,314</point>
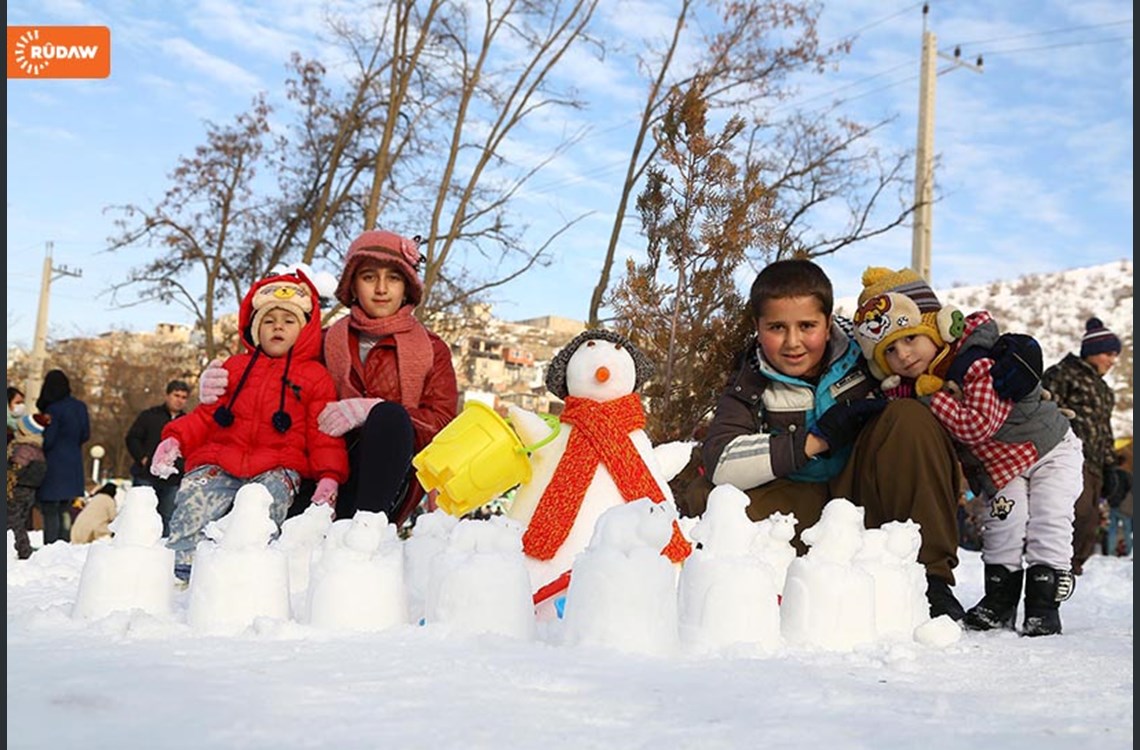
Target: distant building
<point>506,359</point>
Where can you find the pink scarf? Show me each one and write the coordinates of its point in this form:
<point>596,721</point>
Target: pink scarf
<point>413,352</point>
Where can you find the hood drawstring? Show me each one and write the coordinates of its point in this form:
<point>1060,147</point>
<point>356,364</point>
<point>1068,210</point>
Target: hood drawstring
<point>281,420</point>
<point>224,415</point>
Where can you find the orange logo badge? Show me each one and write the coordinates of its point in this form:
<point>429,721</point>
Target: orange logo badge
<point>59,52</point>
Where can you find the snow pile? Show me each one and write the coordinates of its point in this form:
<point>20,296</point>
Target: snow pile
<point>357,583</point>
<point>237,577</point>
<point>728,590</point>
<point>132,569</point>
<point>623,592</point>
<point>479,582</point>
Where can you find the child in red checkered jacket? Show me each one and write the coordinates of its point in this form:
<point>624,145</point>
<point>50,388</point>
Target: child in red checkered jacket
<point>1016,447</point>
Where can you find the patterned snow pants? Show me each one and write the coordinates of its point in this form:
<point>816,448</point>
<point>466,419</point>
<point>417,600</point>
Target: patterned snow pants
<point>1031,518</point>
<point>207,493</point>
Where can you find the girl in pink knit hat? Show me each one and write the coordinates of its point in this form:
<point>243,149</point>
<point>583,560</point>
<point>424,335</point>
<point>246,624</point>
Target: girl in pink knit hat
<point>394,377</point>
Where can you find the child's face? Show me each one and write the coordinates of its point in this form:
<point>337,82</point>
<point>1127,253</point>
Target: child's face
<point>379,289</point>
<point>910,356</point>
<point>278,332</point>
<point>793,334</point>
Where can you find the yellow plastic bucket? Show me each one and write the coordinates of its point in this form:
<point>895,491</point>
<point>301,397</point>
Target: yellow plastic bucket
<point>472,460</point>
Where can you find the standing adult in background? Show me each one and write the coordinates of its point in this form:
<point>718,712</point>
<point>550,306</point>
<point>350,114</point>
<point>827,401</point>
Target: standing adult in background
<point>1077,384</point>
<point>144,436</point>
<point>1118,495</point>
<point>68,428</point>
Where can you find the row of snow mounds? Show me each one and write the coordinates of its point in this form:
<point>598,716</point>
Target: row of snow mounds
<point>854,587</point>
<point>744,588</point>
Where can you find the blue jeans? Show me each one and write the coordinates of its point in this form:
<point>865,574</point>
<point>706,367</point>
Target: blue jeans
<point>207,493</point>
<point>1116,517</point>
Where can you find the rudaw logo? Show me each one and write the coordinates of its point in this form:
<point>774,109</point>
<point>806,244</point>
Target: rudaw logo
<point>59,51</point>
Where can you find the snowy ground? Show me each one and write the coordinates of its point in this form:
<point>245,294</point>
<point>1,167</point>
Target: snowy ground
<point>144,682</point>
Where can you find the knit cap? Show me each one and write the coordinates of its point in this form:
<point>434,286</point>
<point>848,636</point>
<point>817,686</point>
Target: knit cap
<point>1098,339</point>
<point>387,248</point>
<point>900,303</point>
<point>556,371</point>
<point>287,293</point>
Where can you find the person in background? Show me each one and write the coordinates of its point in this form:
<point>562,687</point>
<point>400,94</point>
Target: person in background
<point>94,521</point>
<point>16,409</point>
<point>1118,495</point>
<point>1077,384</point>
<point>26,470</point>
<point>144,436</point>
<point>266,430</point>
<point>801,422</point>
<point>970,523</point>
<point>1017,449</point>
<point>68,428</point>
<point>394,378</point>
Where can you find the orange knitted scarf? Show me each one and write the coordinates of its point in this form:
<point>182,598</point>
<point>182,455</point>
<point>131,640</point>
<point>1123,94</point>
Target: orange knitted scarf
<point>600,436</point>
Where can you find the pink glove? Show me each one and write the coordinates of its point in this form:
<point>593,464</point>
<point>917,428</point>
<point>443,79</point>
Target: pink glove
<point>338,417</point>
<point>212,383</point>
<point>325,493</point>
<point>167,452</point>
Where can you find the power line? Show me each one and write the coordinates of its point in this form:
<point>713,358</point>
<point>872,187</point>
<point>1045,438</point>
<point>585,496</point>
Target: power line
<point>798,103</point>
<point>853,34</point>
<point>1047,33</point>
<point>994,53</point>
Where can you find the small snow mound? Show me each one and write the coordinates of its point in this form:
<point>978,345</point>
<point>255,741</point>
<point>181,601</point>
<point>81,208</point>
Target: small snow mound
<point>248,525</point>
<point>138,522</point>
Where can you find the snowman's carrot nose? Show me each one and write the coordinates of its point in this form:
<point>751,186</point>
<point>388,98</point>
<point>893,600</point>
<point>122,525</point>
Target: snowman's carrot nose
<point>602,374</point>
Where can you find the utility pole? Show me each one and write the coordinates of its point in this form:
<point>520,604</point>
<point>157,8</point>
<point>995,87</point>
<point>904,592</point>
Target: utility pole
<point>39,346</point>
<point>924,151</point>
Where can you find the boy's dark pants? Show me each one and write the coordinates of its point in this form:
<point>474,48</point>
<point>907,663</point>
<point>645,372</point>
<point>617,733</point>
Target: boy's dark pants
<point>902,466</point>
<point>1086,519</point>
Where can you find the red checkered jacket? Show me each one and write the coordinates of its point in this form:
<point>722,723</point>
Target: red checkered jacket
<point>997,439</point>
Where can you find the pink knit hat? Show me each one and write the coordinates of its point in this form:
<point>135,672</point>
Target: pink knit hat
<point>388,248</point>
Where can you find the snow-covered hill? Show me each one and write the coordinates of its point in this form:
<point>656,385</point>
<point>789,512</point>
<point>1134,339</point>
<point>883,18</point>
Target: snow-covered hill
<point>1054,307</point>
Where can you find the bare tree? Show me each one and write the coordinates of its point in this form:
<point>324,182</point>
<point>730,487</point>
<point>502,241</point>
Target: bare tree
<point>206,223</point>
<point>463,80</point>
<point>751,50</point>
<point>808,163</point>
<point>418,130</point>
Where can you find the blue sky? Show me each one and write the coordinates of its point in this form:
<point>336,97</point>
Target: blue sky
<point>1035,154</point>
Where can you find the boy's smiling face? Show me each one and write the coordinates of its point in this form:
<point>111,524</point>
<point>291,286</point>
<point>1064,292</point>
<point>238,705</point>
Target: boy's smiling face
<point>793,334</point>
<point>278,331</point>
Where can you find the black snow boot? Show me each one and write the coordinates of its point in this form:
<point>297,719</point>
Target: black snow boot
<point>942,600</point>
<point>1045,589</point>
<point>998,608</point>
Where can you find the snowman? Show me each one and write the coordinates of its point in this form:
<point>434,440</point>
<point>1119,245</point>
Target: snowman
<point>600,457</point>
